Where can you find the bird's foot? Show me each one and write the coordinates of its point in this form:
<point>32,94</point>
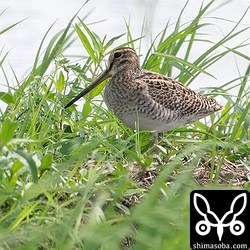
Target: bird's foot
<point>158,159</point>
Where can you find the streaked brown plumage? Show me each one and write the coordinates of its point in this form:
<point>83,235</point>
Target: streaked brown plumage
<point>158,103</point>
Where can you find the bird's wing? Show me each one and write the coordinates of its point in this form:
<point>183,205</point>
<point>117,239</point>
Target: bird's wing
<point>172,94</point>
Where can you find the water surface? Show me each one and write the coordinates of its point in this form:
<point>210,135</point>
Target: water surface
<point>23,41</point>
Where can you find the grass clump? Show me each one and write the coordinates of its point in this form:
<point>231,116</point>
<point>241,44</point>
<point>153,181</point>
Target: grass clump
<point>78,179</point>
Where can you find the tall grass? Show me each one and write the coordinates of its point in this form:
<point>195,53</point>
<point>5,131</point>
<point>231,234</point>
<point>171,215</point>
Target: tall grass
<point>77,178</point>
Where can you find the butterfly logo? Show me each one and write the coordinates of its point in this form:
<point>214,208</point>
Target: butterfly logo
<point>210,219</point>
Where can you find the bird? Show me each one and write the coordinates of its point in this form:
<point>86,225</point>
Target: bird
<point>146,100</point>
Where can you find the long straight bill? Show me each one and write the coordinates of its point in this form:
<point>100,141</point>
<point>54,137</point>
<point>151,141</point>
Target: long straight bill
<point>94,84</point>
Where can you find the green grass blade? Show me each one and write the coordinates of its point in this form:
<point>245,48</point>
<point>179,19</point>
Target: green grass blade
<point>86,42</point>
<point>11,26</point>
<point>27,157</point>
<point>7,131</point>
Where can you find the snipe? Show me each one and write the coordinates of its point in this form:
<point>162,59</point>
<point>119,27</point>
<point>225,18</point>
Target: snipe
<point>148,100</point>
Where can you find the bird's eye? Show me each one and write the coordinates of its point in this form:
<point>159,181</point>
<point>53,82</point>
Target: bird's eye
<point>117,54</point>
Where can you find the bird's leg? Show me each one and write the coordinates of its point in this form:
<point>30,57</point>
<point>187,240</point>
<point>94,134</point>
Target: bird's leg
<point>156,138</point>
<point>153,147</point>
<point>154,141</point>
<point>160,136</point>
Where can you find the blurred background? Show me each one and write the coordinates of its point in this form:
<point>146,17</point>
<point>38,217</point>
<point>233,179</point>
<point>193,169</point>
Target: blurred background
<point>107,17</point>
